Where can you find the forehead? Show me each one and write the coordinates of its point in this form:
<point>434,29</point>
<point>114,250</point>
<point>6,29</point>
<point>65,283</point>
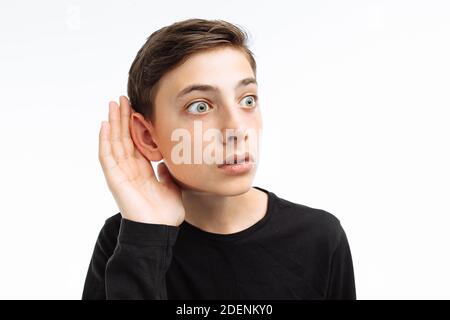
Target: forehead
<point>222,67</point>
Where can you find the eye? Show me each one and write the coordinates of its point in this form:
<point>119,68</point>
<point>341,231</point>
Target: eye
<point>250,101</point>
<point>198,107</point>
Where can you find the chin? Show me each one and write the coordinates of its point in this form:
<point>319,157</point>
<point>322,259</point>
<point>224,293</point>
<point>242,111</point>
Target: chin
<point>233,187</point>
<point>227,187</point>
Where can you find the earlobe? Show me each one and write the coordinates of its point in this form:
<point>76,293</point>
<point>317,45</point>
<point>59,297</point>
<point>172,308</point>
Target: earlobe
<point>142,133</point>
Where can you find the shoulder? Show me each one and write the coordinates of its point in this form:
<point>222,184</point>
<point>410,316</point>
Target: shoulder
<point>113,222</point>
<point>314,224</point>
<point>112,225</point>
<point>301,212</point>
<point>107,238</point>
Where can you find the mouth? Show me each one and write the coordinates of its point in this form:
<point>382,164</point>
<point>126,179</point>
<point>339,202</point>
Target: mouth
<point>237,159</point>
<point>237,164</point>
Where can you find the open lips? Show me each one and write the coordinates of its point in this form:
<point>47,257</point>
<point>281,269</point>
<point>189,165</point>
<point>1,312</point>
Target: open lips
<point>237,158</point>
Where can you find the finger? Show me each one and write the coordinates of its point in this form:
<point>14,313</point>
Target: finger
<point>125,113</point>
<point>144,165</point>
<point>116,142</point>
<point>104,152</point>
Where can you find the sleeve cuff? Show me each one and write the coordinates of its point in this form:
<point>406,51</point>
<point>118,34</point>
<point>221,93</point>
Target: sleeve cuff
<point>147,233</point>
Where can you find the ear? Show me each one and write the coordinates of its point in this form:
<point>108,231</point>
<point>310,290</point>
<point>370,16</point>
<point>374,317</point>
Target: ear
<point>143,134</point>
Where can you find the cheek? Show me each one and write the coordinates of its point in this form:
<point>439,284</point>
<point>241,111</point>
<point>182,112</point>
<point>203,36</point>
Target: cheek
<point>256,120</point>
<point>192,176</point>
<point>165,146</point>
<point>177,148</point>
<point>169,134</point>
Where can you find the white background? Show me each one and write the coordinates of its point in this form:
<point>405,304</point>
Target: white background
<point>355,100</point>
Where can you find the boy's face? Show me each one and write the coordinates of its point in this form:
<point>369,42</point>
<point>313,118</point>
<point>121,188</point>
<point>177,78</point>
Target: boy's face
<point>221,122</point>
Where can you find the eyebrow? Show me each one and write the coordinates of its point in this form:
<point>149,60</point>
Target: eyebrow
<point>207,87</point>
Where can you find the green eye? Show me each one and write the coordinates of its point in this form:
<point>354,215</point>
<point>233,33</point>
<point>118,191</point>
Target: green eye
<point>198,107</point>
<point>250,101</point>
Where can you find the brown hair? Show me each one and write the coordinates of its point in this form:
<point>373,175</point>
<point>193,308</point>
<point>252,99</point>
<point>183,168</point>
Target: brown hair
<point>169,47</point>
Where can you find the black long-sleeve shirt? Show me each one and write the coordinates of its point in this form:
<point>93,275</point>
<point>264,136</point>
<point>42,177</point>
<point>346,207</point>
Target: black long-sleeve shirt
<point>293,252</point>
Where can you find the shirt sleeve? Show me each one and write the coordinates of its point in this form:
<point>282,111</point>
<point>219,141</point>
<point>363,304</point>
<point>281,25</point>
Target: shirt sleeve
<point>341,283</point>
<point>137,267</point>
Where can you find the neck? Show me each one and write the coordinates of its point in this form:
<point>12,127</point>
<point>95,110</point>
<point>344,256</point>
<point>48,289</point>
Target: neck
<point>224,214</point>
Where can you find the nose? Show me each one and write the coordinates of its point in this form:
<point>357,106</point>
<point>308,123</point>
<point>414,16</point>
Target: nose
<point>235,135</point>
<point>234,129</point>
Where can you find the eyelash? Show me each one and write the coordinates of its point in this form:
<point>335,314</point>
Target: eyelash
<point>250,95</point>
